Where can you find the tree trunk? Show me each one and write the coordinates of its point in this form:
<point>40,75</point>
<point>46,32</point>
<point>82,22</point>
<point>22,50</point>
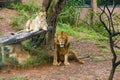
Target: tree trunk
<point>53,9</point>
<point>114,58</point>
<point>112,73</point>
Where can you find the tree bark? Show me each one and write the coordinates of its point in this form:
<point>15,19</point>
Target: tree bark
<point>20,36</point>
<point>112,72</point>
<point>53,9</point>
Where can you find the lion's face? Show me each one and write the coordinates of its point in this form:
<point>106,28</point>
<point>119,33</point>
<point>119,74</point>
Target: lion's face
<point>62,39</point>
<point>42,16</point>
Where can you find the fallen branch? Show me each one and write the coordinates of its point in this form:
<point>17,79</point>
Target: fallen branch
<point>18,37</point>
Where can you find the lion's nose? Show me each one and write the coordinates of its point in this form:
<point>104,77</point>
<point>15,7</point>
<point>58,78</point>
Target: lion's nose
<point>62,43</point>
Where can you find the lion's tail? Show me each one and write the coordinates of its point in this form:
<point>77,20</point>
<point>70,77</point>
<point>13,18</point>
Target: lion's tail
<point>76,56</point>
<point>79,59</point>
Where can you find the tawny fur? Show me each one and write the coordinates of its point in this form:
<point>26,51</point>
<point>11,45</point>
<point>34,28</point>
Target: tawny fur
<point>62,51</point>
<point>38,23</point>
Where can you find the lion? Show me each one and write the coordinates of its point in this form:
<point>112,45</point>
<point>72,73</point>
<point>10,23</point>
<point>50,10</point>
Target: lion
<point>33,25</point>
<point>62,51</point>
<point>38,23</point>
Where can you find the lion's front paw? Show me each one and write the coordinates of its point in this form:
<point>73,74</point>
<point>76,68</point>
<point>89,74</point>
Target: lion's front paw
<point>56,63</point>
<point>66,63</point>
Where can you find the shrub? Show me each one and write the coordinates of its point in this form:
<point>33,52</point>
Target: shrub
<point>70,12</point>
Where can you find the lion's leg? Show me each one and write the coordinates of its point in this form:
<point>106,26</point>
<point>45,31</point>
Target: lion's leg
<point>66,59</point>
<point>55,62</point>
<point>76,56</point>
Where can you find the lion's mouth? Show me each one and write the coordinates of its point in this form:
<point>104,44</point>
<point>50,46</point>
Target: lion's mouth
<point>61,44</point>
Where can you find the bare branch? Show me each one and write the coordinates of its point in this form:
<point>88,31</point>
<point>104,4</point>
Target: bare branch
<point>112,34</point>
<point>103,11</point>
<point>116,34</point>
<point>117,46</point>
<point>113,8</point>
<point>117,63</point>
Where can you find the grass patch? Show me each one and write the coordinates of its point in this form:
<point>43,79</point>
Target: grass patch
<point>25,12</point>
<point>15,21</point>
<point>102,46</point>
<point>89,33</point>
<point>117,51</point>
<point>18,28</point>
<point>1,17</point>
<point>98,58</point>
<point>67,28</point>
<point>81,32</point>
<point>17,78</point>
<point>105,50</point>
<point>1,78</point>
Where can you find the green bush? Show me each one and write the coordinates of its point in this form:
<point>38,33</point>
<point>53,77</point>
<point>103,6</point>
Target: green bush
<point>37,57</point>
<point>68,15</point>
<point>69,12</point>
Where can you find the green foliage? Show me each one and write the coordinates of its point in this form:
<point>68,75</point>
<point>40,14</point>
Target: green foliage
<point>1,78</point>
<point>29,7</point>
<point>98,27</point>
<point>25,12</point>
<point>105,50</point>
<point>95,24</point>
<point>68,15</point>
<point>70,12</point>
<point>88,33</point>
<point>38,56</point>
<point>18,28</point>
<point>67,28</point>
<point>15,21</point>
<point>81,32</point>
<point>17,78</point>
<point>117,51</point>
<point>102,46</point>
<point>33,3</point>
<point>74,3</point>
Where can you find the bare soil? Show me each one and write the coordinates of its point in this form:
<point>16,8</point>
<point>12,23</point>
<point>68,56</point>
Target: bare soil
<point>94,68</point>
<point>5,20</point>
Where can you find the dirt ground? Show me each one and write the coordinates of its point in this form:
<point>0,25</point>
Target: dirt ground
<point>92,69</point>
